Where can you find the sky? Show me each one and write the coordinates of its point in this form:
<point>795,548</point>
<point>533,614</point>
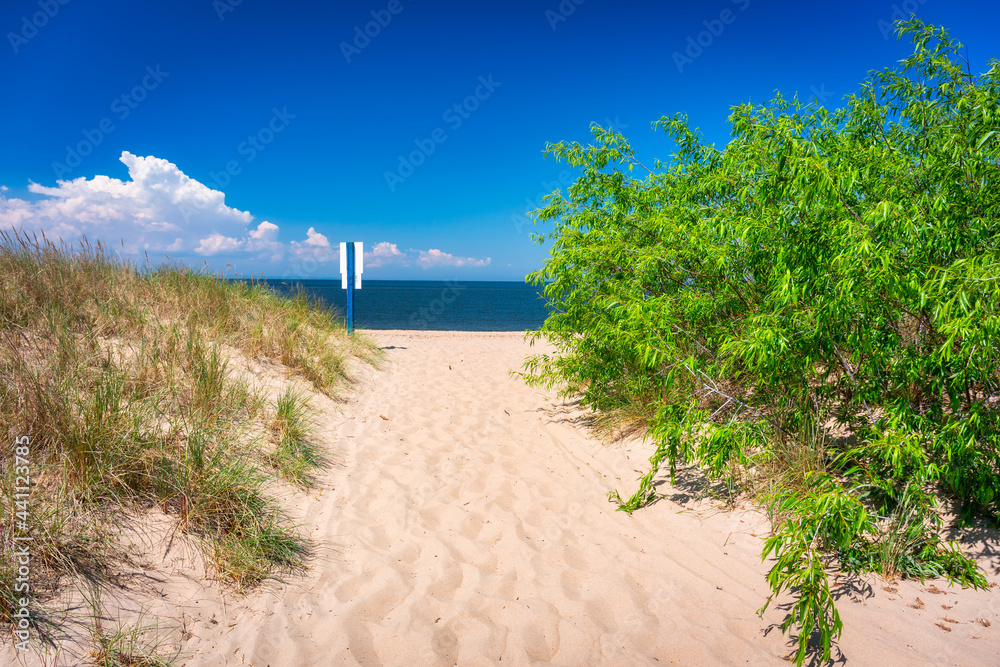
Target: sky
<point>252,137</point>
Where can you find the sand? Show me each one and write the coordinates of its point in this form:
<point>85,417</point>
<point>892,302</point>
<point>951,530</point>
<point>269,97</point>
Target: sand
<point>465,521</point>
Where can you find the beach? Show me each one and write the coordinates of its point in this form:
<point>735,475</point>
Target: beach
<point>465,522</point>
<point>273,378</point>
<point>463,519</point>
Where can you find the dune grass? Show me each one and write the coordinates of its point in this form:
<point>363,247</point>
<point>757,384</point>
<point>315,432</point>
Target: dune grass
<point>124,381</point>
<point>295,455</point>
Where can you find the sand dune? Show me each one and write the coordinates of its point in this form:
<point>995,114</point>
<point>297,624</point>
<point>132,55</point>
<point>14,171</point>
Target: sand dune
<point>465,521</point>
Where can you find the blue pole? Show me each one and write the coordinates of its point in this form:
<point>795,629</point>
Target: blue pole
<point>350,287</point>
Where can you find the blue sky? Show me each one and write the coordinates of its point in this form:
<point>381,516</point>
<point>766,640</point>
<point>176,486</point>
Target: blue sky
<point>261,134</point>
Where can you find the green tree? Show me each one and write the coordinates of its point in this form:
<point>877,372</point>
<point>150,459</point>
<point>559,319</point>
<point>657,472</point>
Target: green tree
<point>811,313</point>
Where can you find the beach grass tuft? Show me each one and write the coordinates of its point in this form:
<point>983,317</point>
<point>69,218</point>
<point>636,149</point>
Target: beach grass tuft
<point>136,389</point>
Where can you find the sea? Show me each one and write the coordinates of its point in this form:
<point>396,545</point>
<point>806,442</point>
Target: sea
<point>431,304</point>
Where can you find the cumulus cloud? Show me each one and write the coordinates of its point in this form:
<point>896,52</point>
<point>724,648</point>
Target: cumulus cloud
<point>265,232</point>
<point>161,209</point>
<point>385,253</point>
<point>215,243</point>
<point>385,249</point>
<point>434,257</point>
<point>263,240</point>
<point>316,239</point>
<point>308,255</point>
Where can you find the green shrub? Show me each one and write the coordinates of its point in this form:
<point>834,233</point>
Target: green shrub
<point>811,313</point>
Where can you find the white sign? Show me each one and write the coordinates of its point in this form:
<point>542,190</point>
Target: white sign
<point>359,253</point>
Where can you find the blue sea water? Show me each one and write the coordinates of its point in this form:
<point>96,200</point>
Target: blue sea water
<point>431,304</point>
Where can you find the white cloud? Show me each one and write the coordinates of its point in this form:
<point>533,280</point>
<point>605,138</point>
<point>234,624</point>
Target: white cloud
<point>385,253</point>
<point>159,207</point>
<point>434,257</point>
<point>265,232</point>
<point>263,240</point>
<point>314,238</point>
<point>385,249</point>
<point>308,254</point>
<point>216,243</point>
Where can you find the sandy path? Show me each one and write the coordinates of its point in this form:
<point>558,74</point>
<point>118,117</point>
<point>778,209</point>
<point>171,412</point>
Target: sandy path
<point>466,523</point>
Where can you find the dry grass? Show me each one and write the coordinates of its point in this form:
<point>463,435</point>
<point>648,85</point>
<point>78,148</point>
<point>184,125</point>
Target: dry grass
<point>121,380</point>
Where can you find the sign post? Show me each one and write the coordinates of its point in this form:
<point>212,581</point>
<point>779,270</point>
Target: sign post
<point>351,267</point>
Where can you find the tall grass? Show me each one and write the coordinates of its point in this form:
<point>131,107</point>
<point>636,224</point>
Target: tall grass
<point>124,381</point>
<point>295,455</point>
